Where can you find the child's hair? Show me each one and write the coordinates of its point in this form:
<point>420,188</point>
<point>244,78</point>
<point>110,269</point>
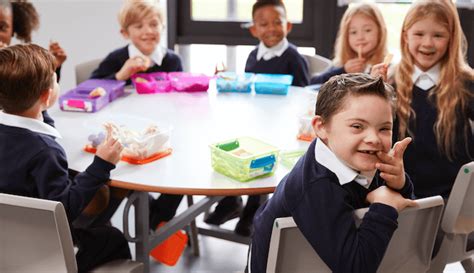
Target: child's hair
<point>342,50</point>
<point>451,95</point>
<point>133,11</point>
<point>25,72</point>
<point>25,18</point>
<point>332,95</point>
<point>263,3</point>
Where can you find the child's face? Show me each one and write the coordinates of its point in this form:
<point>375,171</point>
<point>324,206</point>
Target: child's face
<point>270,25</point>
<point>145,34</point>
<point>6,26</point>
<point>364,33</point>
<point>427,42</point>
<point>362,128</point>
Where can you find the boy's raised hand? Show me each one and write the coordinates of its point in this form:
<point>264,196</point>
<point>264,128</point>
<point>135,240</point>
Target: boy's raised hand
<point>132,66</point>
<point>110,150</point>
<point>58,52</point>
<point>380,69</point>
<point>389,197</point>
<point>391,164</point>
<point>355,65</point>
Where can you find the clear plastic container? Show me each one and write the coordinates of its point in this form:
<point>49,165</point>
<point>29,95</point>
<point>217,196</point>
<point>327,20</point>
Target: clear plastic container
<point>233,82</point>
<point>244,158</point>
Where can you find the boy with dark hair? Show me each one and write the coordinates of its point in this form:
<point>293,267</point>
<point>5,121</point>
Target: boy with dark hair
<point>35,165</point>
<point>348,166</point>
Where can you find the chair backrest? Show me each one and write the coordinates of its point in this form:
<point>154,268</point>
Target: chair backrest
<point>459,213</point>
<point>34,236</point>
<point>317,64</point>
<point>84,70</point>
<point>408,251</point>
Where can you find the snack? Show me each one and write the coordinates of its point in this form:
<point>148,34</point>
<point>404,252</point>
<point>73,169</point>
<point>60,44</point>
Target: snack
<point>359,52</point>
<point>97,92</point>
<point>388,59</point>
<point>140,80</point>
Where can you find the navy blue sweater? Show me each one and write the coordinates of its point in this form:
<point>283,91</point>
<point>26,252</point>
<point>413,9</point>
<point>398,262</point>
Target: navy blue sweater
<point>327,74</point>
<point>431,171</point>
<point>323,211</point>
<point>117,58</point>
<point>290,62</point>
<point>35,165</point>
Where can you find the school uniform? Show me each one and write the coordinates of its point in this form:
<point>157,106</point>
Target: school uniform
<point>164,60</point>
<point>35,165</point>
<point>431,171</point>
<point>321,194</point>
<point>327,74</point>
<point>282,58</point>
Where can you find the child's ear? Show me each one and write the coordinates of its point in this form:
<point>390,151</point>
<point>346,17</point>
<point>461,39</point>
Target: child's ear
<point>124,33</point>
<point>289,27</point>
<point>44,97</point>
<point>319,127</point>
<point>253,31</point>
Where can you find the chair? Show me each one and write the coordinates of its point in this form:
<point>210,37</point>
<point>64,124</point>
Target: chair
<point>35,237</point>
<point>458,223</point>
<point>84,70</point>
<point>408,251</point>
<point>317,64</point>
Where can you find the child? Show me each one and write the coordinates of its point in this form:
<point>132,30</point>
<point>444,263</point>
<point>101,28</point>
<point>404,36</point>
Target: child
<point>35,165</point>
<point>348,165</point>
<point>20,18</point>
<point>435,88</point>
<point>142,22</point>
<point>274,54</point>
<point>361,42</point>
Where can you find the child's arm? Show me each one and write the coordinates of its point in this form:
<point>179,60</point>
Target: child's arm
<point>58,53</point>
<point>326,75</point>
<point>389,197</point>
<point>132,66</point>
<point>391,165</point>
<point>299,70</point>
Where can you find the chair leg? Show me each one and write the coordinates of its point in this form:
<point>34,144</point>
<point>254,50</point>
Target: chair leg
<point>193,232</point>
<point>468,264</point>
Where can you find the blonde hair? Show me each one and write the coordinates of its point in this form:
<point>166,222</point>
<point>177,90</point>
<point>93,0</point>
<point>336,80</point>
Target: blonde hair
<point>452,97</point>
<point>133,11</point>
<point>343,52</point>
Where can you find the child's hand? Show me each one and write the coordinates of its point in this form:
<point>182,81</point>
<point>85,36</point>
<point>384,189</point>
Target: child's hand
<point>379,70</point>
<point>355,65</point>
<point>391,165</point>
<point>58,52</point>
<point>132,66</point>
<point>2,44</point>
<point>389,197</point>
<point>110,150</point>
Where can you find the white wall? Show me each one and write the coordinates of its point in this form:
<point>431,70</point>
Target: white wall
<point>85,29</point>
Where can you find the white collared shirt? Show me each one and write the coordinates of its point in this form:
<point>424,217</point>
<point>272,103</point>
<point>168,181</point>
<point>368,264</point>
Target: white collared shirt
<point>426,79</point>
<point>268,53</point>
<point>344,173</point>
<point>31,124</point>
<point>156,56</point>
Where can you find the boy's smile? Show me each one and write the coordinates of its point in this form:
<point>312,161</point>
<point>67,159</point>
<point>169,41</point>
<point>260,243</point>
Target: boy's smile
<point>270,25</point>
<point>361,129</point>
<point>145,34</point>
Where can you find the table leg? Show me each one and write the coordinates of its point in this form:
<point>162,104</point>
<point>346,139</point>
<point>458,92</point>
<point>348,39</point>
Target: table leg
<point>193,231</point>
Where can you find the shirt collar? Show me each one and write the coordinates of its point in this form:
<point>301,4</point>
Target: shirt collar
<point>268,53</point>
<point>156,56</point>
<point>344,173</point>
<point>426,79</point>
<point>29,124</point>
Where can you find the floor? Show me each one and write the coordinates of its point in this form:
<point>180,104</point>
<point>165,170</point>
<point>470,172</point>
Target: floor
<point>217,256</point>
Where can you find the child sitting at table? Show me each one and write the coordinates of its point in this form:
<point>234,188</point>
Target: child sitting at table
<point>142,22</point>
<point>35,165</point>
<point>345,168</point>
<point>361,42</point>
<point>273,55</point>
